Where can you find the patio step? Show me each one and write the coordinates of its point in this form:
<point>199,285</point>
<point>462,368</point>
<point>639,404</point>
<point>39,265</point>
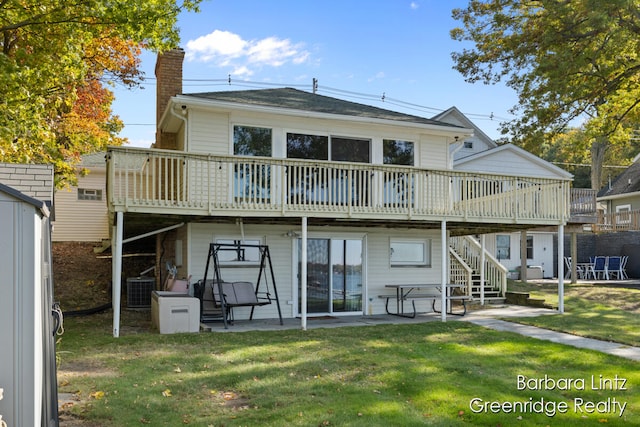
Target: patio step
<point>523,298</point>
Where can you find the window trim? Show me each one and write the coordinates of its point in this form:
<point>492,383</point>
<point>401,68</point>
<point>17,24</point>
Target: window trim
<point>257,126</point>
<point>237,262</point>
<point>425,244</point>
<point>89,194</point>
<point>498,247</point>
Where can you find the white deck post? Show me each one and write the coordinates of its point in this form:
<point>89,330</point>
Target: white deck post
<point>116,272</point>
<point>482,272</point>
<point>561,268</point>
<point>445,251</point>
<point>303,276</point>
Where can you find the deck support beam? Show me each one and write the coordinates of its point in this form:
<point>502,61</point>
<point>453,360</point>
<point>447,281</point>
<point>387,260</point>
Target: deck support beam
<point>116,271</point>
<point>303,276</point>
<point>444,268</point>
<point>561,268</point>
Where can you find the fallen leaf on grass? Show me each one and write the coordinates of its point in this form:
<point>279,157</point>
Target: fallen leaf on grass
<point>167,393</point>
<point>97,395</point>
<point>229,395</point>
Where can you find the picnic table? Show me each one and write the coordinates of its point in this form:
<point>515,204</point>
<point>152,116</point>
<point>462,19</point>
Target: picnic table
<point>414,291</point>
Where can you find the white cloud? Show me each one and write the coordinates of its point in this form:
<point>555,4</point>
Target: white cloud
<point>414,5</point>
<point>225,49</point>
<point>379,75</point>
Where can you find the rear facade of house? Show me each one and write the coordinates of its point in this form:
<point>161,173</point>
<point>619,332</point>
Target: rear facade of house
<point>373,191</point>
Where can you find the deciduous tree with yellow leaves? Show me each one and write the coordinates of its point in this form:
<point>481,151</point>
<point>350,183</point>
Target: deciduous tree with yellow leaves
<point>57,62</point>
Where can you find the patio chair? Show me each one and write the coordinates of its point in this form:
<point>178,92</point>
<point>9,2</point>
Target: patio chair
<point>623,267</point>
<point>598,268</point>
<point>580,272</point>
<point>614,267</point>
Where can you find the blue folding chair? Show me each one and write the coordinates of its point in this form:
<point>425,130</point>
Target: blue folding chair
<point>599,268</point>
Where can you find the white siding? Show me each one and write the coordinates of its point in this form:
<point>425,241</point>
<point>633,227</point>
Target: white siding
<point>377,269</point>
<point>433,152</point>
<point>507,162</point>
<point>209,133</point>
<point>542,251</point>
<point>82,220</point>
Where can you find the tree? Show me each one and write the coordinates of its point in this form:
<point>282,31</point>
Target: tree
<point>569,61</point>
<point>57,59</point>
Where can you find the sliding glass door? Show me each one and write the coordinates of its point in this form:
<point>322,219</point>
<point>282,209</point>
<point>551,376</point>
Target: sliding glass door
<point>334,275</point>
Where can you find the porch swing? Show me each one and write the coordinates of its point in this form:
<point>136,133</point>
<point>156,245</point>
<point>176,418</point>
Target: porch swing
<point>218,298</point>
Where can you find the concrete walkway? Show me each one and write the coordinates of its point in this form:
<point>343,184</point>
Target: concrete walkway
<point>487,318</point>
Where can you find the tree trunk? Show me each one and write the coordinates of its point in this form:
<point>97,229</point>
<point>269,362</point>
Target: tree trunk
<point>598,149</point>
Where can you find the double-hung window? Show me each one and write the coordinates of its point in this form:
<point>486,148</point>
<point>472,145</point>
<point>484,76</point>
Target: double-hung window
<point>252,180</point>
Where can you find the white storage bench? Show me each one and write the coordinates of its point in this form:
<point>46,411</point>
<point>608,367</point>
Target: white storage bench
<point>173,312</point>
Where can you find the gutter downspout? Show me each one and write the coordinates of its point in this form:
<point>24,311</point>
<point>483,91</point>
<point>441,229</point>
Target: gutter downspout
<point>182,117</point>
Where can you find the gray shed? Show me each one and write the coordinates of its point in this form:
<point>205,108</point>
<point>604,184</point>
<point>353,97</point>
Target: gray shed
<point>27,368</point>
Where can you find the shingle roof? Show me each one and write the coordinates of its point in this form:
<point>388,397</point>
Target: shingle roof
<point>300,100</point>
<point>627,182</point>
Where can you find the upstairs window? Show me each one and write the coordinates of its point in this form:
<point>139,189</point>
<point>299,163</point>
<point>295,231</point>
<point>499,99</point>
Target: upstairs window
<point>350,150</point>
<point>251,141</point>
<point>397,152</point>
<point>313,147</point>
<point>468,144</point>
<point>89,194</point>
<point>322,147</point>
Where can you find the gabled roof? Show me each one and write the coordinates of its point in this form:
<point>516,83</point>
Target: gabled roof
<point>627,182</point>
<point>294,99</point>
<point>503,157</point>
<point>39,204</point>
<point>94,159</point>
<point>454,115</point>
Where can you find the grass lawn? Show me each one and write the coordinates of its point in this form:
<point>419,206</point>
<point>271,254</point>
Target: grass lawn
<point>600,311</point>
<point>388,375</point>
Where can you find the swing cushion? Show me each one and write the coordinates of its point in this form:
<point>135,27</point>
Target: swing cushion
<point>237,294</point>
<point>244,294</point>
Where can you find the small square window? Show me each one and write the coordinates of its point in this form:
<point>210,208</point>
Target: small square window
<point>468,144</point>
<point>89,194</point>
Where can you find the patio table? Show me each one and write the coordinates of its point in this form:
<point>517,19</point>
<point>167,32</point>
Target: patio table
<point>415,291</point>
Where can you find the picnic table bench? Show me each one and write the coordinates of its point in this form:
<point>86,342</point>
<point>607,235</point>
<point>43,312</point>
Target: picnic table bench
<point>417,291</point>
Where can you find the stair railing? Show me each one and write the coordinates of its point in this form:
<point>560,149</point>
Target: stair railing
<point>469,249</point>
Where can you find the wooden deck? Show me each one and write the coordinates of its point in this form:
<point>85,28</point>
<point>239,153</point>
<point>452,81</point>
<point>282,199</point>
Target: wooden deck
<point>169,182</point>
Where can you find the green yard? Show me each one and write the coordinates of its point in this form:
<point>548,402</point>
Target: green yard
<point>448,374</point>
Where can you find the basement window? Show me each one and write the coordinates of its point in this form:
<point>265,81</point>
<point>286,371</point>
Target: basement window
<point>410,253</point>
<point>89,194</point>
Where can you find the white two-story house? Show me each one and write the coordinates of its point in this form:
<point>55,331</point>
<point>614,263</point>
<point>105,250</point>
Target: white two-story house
<point>371,191</point>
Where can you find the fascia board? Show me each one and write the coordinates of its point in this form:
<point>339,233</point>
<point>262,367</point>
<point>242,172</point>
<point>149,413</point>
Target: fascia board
<point>232,106</point>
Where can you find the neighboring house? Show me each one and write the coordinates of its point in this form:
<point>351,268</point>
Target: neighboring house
<point>35,181</point>
<point>28,369</point>
<point>371,190</point>
<point>473,144</point>
<point>81,210</point>
<point>620,201</point>
<point>506,247</point>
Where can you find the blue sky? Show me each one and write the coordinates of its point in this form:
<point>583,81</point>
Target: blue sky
<point>359,50</point>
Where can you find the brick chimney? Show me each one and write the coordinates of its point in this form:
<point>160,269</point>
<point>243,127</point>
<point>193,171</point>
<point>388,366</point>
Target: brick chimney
<point>168,84</point>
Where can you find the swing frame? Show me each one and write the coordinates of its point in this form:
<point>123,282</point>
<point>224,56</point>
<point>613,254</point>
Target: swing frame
<point>234,294</point>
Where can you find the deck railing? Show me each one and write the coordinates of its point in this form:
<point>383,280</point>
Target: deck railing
<point>165,181</point>
<point>583,202</point>
<point>618,221</point>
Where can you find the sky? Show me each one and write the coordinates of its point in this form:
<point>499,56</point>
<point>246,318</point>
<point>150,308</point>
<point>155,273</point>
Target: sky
<point>393,54</point>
